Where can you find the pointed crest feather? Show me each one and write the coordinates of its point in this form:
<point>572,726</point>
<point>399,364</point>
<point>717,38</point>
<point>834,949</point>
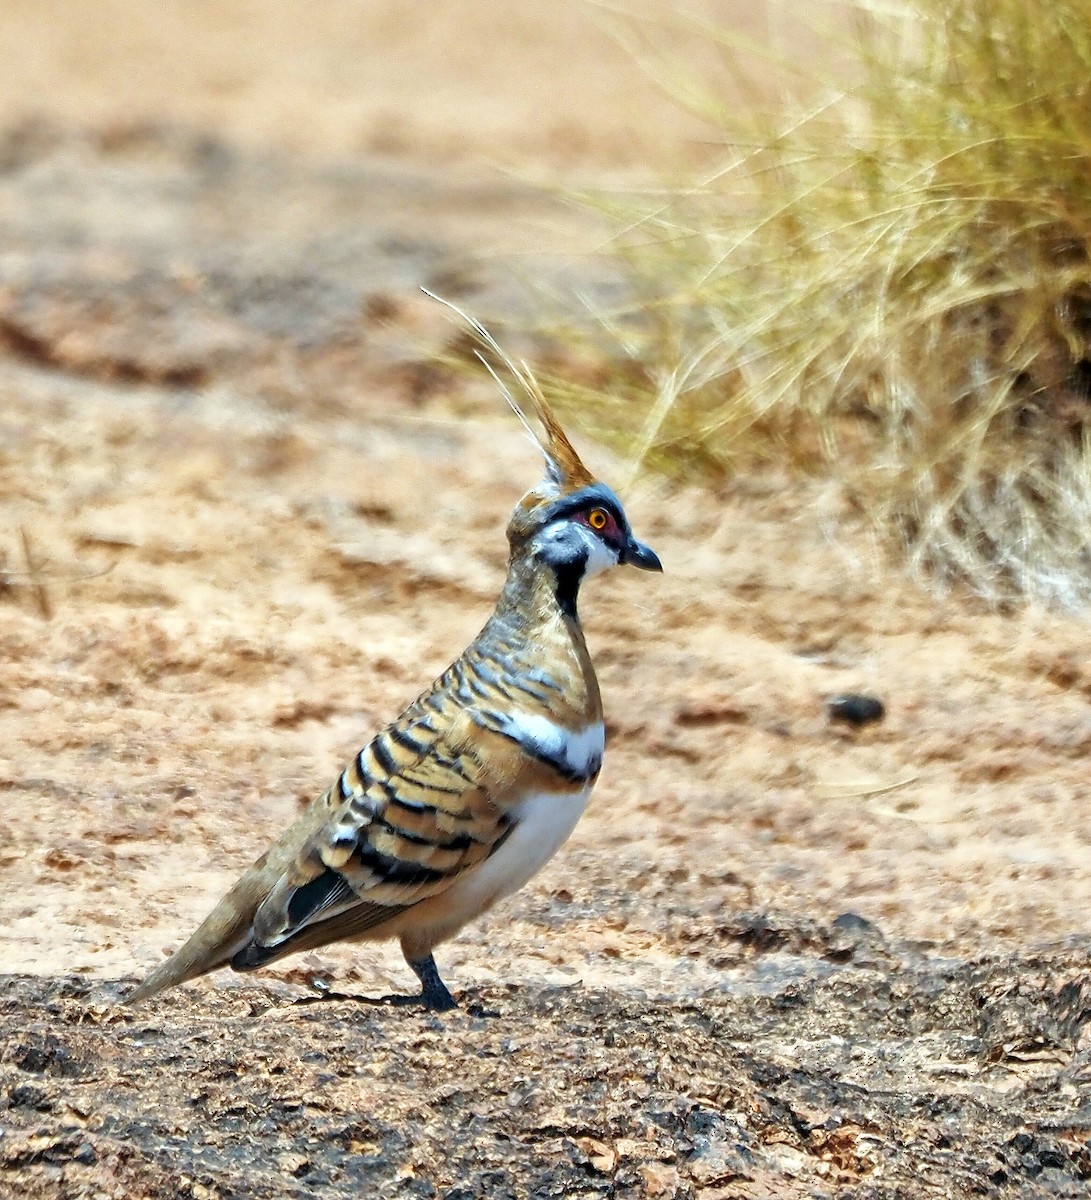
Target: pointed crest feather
<point>563,464</point>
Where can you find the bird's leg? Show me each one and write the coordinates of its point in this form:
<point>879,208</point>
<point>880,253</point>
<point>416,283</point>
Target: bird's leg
<point>434,991</point>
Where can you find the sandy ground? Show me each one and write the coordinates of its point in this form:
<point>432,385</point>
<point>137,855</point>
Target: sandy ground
<point>243,519</point>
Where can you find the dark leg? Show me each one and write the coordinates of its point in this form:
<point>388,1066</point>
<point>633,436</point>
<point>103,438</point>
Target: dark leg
<point>434,991</point>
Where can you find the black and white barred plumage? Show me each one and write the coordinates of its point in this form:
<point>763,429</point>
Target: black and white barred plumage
<point>462,798</point>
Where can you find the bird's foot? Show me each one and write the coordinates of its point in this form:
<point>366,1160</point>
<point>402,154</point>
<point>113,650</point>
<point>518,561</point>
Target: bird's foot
<point>434,994</point>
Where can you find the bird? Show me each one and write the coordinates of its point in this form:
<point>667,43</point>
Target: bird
<point>466,795</point>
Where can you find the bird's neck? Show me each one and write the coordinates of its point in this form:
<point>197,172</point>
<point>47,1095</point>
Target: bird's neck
<point>536,595</point>
<point>535,633</point>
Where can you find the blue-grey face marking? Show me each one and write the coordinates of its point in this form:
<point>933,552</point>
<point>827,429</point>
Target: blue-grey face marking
<point>597,495</point>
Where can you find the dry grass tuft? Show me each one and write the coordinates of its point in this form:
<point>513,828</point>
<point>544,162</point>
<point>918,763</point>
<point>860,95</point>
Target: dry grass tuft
<point>891,283</point>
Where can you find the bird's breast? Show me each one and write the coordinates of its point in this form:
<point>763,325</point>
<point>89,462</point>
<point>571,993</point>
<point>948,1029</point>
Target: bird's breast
<point>542,824</point>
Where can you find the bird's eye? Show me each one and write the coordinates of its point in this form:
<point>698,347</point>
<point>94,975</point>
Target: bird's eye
<point>597,518</point>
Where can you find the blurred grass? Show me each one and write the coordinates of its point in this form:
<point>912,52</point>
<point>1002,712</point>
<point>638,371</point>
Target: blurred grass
<point>889,283</point>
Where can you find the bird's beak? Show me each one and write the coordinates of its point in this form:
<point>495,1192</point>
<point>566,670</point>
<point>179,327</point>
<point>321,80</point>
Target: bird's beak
<point>636,554</point>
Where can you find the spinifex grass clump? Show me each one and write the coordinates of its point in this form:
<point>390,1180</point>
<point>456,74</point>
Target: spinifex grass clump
<point>896,285</point>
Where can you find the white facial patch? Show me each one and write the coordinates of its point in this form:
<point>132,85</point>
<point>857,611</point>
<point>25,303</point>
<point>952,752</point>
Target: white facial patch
<point>599,556</point>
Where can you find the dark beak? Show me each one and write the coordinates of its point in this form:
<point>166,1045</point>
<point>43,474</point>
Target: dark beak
<point>636,554</point>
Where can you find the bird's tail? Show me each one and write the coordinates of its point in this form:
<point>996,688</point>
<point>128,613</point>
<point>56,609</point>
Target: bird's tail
<point>222,934</point>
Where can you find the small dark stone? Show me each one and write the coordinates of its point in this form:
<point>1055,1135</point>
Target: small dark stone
<point>850,934</point>
<point>44,1056</point>
<point>853,923</point>
<point>1054,1158</point>
<point>702,1120</point>
<point>27,1095</point>
<point>854,708</point>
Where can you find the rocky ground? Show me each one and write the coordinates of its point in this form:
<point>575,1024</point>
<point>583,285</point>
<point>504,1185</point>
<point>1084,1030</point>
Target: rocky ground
<point>244,517</point>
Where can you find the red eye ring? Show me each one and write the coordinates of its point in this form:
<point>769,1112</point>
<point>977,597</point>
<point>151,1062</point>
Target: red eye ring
<point>598,518</point>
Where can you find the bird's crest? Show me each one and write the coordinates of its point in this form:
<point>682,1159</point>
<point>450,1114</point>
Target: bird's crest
<point>563,466</point>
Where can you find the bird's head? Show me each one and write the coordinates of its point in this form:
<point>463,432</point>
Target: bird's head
<point>570,521</point>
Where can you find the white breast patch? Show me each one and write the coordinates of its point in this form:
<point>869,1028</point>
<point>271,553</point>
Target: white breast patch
<point>578,753</point>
